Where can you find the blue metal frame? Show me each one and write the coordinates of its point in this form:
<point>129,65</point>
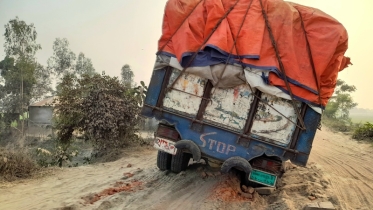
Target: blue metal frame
<point>221,143</point>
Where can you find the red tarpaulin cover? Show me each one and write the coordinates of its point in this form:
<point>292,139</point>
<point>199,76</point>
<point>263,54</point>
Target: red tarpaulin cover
<point>188,23</point>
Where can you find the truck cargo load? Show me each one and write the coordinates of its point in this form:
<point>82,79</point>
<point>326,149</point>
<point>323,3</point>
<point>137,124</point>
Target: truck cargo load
<point>310,43</point>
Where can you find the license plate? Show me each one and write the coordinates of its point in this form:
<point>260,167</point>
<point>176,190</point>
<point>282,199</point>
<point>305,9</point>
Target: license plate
<point>263,178</point>
<point>165,145</point>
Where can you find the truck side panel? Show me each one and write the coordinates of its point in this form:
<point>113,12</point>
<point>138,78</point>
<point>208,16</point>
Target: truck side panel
<point>305,139</point>
<point>216,141</point>
<point>155,87</point>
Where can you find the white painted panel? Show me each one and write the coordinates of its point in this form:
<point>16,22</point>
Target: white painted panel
<point>229,107</point>
<point>270,124</point>
<point>187,96</point>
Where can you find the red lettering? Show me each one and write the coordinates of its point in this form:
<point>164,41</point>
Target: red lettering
<point>161,141</point>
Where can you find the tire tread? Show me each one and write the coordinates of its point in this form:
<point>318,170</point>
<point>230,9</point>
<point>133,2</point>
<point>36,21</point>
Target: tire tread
<point>164,160</point>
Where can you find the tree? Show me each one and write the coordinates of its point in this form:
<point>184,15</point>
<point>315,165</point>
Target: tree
<point>43,84</point>
<point>84,65</point>
<point>17,89</point>
<point>98,106</point>
<point>2,91</point>
<point>18,67</point>
<point>36,83</point>
<point>111,114</point>
<point>140,92</point>
<point>341,102</point>
<point>127,76</point>
<point>19,80</point>
<point>63,58</point>
<point>20,40</point>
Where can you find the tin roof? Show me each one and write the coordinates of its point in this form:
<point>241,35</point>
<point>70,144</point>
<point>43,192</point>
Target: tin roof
<point>44,102</point>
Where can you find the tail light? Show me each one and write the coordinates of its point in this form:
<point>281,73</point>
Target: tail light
<point>267,164</point>
<point>168,132</point>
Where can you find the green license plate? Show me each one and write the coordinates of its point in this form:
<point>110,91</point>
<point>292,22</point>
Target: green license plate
<point>262,177</point>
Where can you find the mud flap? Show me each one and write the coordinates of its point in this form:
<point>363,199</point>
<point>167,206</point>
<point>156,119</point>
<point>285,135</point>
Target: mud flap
<point>191,146</point>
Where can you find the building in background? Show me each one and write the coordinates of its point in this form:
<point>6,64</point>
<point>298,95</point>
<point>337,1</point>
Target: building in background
<point>40,118</point>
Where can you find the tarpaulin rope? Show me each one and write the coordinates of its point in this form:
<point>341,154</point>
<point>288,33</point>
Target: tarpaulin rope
<point>282,68</point>
<point>240,58</point>
<point>186,17</point>
<point>310,57</point>
<point>234,45</point>
<point>231,50</point>
<point>204,42</point>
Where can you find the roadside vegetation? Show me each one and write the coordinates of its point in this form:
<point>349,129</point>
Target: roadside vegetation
<point>95,116</point>
<point>364,132</point>
<point>337,114</point>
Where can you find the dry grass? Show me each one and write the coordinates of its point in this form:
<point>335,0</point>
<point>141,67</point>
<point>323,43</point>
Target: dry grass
<point>16,165</point>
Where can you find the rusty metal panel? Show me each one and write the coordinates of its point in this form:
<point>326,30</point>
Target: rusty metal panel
<point>186,94</point>
<point>270,124</point>
<point>229,107</point>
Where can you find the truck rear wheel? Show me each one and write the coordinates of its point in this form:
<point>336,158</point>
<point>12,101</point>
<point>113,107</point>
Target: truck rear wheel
<point>179,161</point>
<point>164,160</point>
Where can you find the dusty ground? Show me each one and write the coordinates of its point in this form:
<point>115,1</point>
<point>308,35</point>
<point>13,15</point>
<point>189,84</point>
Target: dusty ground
<point>339,170</point>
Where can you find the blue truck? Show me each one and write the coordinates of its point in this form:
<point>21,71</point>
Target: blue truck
<point>242,83</point>
<point>243,127</point>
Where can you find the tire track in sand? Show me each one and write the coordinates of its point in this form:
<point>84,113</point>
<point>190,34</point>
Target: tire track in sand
<point>348,166</point>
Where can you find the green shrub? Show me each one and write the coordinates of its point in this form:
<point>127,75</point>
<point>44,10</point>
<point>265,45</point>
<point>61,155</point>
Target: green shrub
<point>341,125</point>
<point>57,156</point>
<point>364,132</point>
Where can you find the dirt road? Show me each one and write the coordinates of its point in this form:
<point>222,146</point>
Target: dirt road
<point>339,170</point>
<point>348,166</point>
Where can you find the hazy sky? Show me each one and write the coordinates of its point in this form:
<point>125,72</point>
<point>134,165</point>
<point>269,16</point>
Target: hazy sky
<point>115,32</point>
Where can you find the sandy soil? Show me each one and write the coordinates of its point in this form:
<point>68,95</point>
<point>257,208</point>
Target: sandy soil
<point>339,170</point>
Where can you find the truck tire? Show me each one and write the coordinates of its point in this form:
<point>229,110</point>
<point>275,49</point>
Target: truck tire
<point>164,160</point>
<point>179,161</point>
